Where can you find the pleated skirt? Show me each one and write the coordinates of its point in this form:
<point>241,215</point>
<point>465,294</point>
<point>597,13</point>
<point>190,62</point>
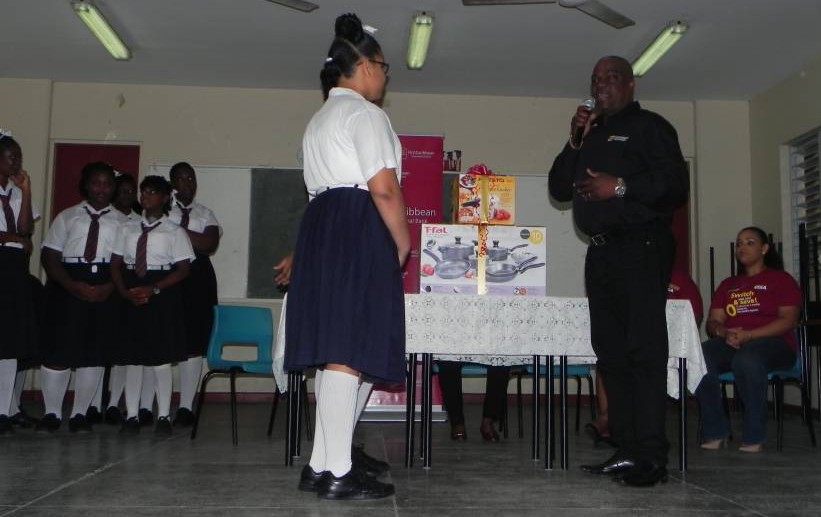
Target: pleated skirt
<point>345,300</point>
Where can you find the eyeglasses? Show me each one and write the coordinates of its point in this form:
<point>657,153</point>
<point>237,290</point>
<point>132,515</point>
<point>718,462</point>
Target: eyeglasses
<point>385,66</point>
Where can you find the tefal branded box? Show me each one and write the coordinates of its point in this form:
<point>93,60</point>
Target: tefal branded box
<point>479,259</point>
<point>486,199</point>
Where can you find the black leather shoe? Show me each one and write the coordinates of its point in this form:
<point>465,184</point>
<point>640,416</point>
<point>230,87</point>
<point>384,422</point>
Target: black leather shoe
<point>310,481</point>
<point>93,415</point>
<point>48,424</point>
<point>163,427</point>
<point>644,474</point>
<point>184,417</point>
<point>79,424</point>
<point>22,420</point>
<point>614,465</point>
<point>131,426</point>
<point>113,416</point>
<point>356,484</point>
<point>458,433</point>
<point>362,461</point>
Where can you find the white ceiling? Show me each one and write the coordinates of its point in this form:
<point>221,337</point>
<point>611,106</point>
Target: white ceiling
<point>735,49</point>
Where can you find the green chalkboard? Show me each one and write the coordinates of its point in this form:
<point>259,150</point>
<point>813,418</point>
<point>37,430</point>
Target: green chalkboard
<point>278,199</point>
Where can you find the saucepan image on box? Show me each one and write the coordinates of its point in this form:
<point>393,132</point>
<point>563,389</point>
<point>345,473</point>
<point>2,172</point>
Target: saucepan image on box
<point>447,262</point>
<point>516,261</point>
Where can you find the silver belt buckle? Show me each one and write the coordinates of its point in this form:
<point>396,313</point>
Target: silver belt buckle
<point>600,239</point>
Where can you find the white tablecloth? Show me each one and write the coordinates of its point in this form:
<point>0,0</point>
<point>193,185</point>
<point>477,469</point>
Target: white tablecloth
<point>507,330</point>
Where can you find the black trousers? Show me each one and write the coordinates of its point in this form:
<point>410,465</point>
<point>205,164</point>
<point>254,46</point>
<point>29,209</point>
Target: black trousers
<point>626,281</point>
<point>450,381</point>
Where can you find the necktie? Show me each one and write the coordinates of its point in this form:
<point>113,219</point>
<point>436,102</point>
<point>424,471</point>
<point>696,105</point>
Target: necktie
<point>93,235</point>
<point>185,219</point>
<point>141,264</point>
<point>11,225</point>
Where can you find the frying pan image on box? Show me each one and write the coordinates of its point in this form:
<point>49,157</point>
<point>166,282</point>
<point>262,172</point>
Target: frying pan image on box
<point>505,272</point>
<point>448,269</point>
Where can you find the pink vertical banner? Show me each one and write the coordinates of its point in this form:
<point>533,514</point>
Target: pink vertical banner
<point>422,190</point>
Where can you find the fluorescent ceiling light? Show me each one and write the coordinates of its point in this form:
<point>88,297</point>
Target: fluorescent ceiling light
<point>98,26</point>
<point>663,42</point>
<point>421,30</point>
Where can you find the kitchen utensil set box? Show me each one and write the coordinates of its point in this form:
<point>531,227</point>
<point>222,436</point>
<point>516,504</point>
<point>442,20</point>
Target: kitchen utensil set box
<point>481,259</point>
<point>485,199</point>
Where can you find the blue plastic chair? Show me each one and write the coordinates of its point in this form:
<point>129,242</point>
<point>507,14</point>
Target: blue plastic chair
<point>576,371</point>
<point>238,326</point>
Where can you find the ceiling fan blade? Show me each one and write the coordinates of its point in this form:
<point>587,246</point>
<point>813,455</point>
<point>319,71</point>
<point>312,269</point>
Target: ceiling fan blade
<point>299,5</point>
<point>601,12</point>
<point>506,2</point>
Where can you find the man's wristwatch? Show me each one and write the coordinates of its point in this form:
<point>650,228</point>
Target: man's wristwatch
<point>621,188</point>
<point>156,290</point>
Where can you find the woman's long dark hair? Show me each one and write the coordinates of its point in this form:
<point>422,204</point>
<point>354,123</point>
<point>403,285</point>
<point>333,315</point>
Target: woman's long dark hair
<point>350,44</point>
<point>771,259</point>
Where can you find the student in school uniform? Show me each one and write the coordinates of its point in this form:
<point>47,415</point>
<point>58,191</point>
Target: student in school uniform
<point>151,258</point>
<point>17,217</point>
<point>82,309</point>
<point>125,201</point>
<point>200,288</point>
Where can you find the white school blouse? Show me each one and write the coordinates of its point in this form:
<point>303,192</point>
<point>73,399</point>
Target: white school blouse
<point>16,202</point>
<point>347,142</point>
<point>69,231</point>
<point>167,243</point>
<point>199,218</point>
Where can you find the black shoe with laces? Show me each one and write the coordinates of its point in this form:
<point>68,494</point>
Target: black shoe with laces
<point>48,424</point>
<point>6,426</point>
<point>163,427</point>
<point>362,461</point>
<point>79,424</point>
<point>113,416</point>
<point>184,417</point>
<point>146,417</point>
<point>93,415</point>
<point>356,484</point>
<point>310,481</point>
<point>131,426</point>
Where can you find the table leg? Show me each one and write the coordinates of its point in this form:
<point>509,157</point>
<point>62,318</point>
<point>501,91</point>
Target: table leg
<point>410,410</point>
<point>289,433</point>
<point>297,394</point>
<point>549,438</point>
<point>534,447</point>
<point>427,401</point>
<point>682,404</point>
<point>563,422</point>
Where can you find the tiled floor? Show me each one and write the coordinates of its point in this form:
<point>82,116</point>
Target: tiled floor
<point>108,474</point>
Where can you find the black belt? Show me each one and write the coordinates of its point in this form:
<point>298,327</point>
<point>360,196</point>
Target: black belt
<point>634,233</point>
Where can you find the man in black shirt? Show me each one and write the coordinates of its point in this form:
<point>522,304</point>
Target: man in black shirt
<point>625,176</point>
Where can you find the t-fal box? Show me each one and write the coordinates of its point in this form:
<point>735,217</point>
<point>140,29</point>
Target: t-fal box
<point>516,262</point>
<point>447,262</point>
<point>485,200</point>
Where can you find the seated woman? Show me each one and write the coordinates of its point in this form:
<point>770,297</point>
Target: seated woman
<point>450,381</point>
<point>751,321</point>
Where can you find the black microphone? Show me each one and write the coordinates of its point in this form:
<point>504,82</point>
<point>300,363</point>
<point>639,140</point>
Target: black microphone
<point>588,104</point>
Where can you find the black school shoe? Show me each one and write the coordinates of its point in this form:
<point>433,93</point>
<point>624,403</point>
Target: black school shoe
<point>184,417</point>
<point>163,426</point>
<point>146,417</point>
<point>356,484</point>
<point>6,426</point>
<point>360,460</point>
<point>113,416</point>
<point>48,424</point>
<point>22,420</point>
<point>131,426</point>
<point>93,415</point>
<point>79,424</point>
<point>310,481</point>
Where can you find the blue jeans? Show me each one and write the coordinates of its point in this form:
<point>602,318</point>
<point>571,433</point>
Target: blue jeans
<point>750,365</point>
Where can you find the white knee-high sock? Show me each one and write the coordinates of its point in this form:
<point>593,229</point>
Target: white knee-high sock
<point>190,373</point>
<point>362,397</point>
<point>53,384</point>
<point>149,388</point>
<point>97,398</point>
<point>86,382</point>
<point>19,383</point>
<point>337,403</point>
<point>8,372</point>
<point>318,453</point>
<point>116,385</point>
<point>163,375</point>
<point>133,386</point>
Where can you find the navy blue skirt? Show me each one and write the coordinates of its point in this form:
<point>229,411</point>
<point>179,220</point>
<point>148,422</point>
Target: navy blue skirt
<point>19,335</point>
<point>199,293</point>
<point>345,300</point>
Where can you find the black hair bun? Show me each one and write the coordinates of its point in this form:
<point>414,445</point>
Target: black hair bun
<point>349,27</point>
